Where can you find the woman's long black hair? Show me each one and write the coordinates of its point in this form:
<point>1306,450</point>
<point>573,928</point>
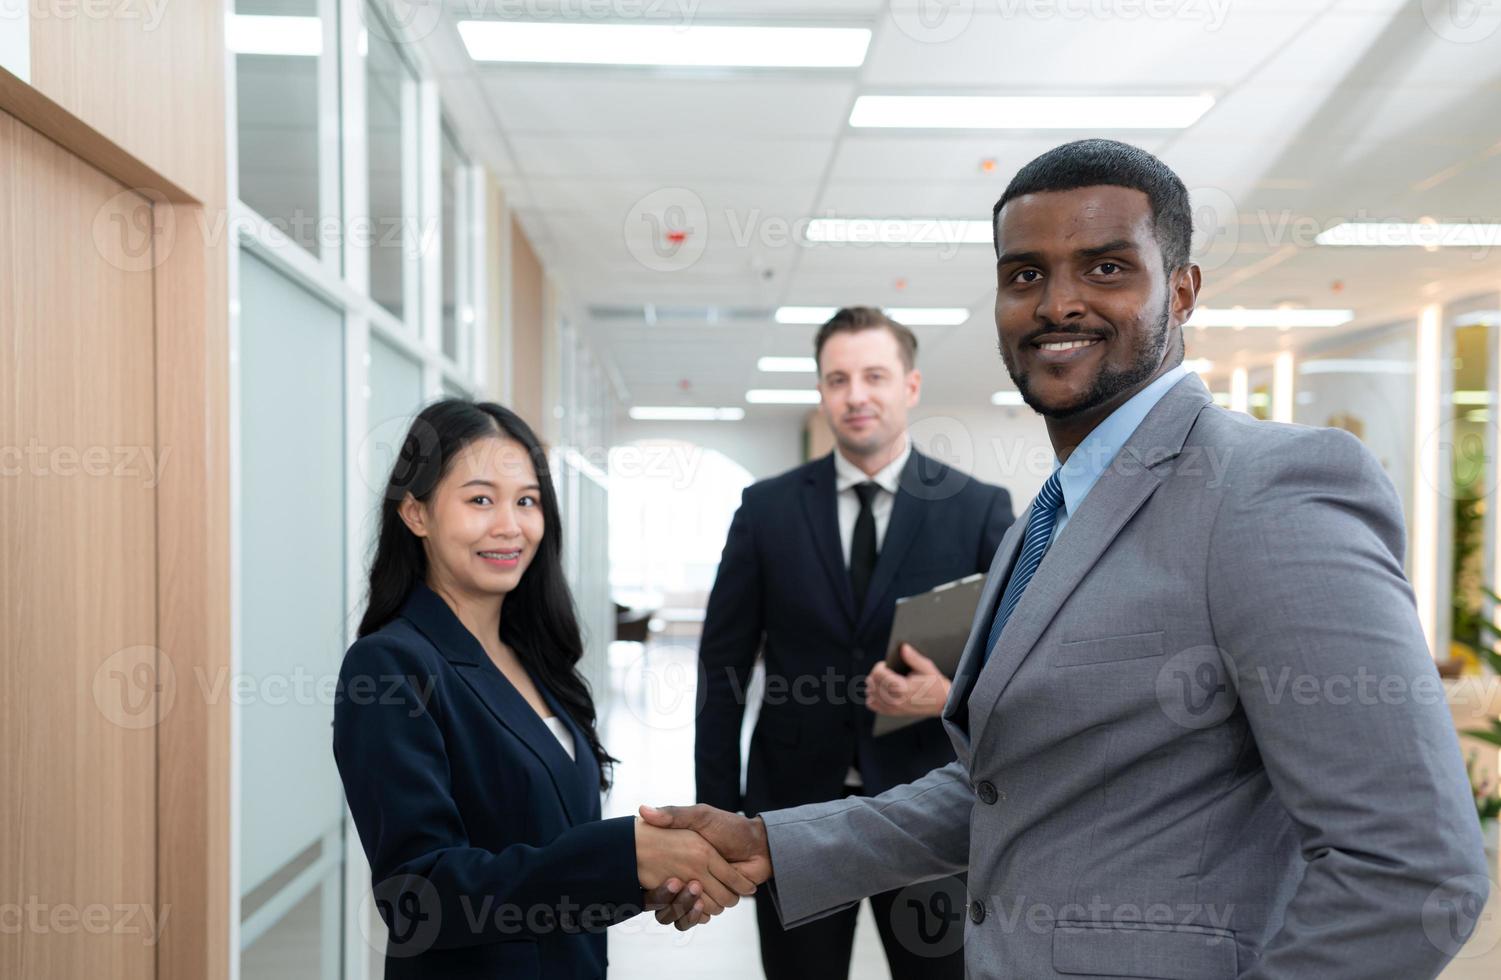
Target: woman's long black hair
<point>538,621</point>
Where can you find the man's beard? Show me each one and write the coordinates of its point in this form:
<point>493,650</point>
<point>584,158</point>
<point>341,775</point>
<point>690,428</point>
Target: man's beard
<point>1107,384</point>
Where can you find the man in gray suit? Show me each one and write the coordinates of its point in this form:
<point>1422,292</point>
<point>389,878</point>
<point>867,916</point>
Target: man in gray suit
<point>1199,733</point>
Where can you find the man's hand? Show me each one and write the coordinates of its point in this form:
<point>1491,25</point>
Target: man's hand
<point>920,694</point>
<point>739,840</point>
<point>685,905</point>
<point>663,854</point>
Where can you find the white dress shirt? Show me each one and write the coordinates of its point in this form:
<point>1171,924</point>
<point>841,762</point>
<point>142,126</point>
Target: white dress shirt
<point>560,731</point>
<point>846,476</point>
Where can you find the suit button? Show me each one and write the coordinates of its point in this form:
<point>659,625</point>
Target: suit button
<point>976,912</point>
<point>987,793</point>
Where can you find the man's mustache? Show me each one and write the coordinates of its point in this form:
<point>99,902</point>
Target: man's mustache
<point>1048,328</point>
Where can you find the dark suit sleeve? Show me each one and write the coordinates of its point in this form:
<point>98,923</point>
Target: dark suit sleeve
<point>998,518</point>
<point>727,651</point>
<point>447,893</point>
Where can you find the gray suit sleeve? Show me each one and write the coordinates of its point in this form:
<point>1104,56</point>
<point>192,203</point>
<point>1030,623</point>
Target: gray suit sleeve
<point>1309,604</point>
<point>827,856</point>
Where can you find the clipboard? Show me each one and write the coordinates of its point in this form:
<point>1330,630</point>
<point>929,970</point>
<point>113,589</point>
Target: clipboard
<point>936,622</point>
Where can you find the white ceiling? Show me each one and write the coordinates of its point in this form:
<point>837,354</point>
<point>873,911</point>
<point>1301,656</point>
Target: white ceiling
<point>1325,110</point>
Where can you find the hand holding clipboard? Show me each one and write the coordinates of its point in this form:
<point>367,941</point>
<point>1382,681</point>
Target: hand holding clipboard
<point>936,623</point>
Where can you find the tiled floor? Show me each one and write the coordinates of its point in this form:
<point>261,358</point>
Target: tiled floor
<point>649,726</point>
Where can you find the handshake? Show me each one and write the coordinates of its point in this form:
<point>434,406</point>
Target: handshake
<point>696,861</point>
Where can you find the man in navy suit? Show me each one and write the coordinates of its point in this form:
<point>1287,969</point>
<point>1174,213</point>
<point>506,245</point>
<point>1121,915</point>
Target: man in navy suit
<point>815,561</point>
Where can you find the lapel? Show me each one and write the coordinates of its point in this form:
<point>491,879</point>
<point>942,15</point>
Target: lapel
<point>955,712</point>
<point>821,507</point>
<point>584,763</point>
<point>1125,486</point>
<point>907,516</point>
<point>431,615</point>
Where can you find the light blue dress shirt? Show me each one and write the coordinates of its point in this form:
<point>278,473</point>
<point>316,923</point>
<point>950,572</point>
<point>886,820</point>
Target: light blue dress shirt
<point>1092,457</point>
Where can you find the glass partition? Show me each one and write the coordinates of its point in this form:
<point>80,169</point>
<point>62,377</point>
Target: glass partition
<point>391,133</point>
<point>281,154</point>
<point>455,248</point>
<point>326,385</point>
<point>292,625</point>
<point>1367,386</point>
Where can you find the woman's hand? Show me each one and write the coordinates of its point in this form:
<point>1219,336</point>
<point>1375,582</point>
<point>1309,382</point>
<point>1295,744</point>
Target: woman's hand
<point>684,855</point>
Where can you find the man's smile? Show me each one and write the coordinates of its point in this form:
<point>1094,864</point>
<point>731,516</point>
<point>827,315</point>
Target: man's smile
<point>1063,348</point>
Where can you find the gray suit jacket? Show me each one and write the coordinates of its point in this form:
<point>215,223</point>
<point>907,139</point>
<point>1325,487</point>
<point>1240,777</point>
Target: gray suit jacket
<point>1210,743</point>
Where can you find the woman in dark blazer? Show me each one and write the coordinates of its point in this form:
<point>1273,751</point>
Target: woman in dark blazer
<point>465,735</point>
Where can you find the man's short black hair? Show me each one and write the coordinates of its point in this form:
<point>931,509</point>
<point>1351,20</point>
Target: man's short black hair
<point>1096,162</point>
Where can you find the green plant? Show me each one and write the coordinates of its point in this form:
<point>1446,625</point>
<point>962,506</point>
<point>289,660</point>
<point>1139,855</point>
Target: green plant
<point>1478,632</point>
<point>1485,634</point>
<point>1487,799</point>
<point>1466,601</point>
<point>1491,734</point>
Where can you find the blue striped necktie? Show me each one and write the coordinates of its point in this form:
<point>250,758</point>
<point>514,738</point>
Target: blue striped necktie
<point>1034,545</point>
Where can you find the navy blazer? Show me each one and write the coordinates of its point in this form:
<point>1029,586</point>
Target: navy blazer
<point>783,588</point>
<point>488,857</point>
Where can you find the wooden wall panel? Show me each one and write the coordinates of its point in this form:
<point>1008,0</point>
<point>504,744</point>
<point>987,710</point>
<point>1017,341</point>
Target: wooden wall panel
<point>497,293</point>
<point>141,100</point>
<point>528,331</point>
<point>79,665</point>
<point>149,76</point>
<point>192,405</point>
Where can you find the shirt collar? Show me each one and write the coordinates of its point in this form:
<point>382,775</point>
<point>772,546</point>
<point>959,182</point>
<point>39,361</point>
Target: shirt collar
<point>1089,460</point>
<point>847,474</point>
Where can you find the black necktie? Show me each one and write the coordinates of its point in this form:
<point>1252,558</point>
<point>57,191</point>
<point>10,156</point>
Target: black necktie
<point>863,543</point>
